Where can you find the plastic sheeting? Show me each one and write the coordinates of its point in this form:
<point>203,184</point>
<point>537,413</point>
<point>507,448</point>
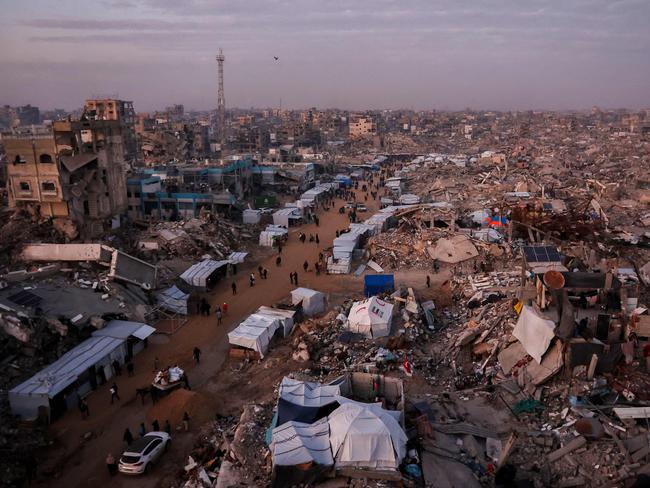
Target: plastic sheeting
<point>371,317</point>
<point>255,333</point>
<point>299,443</point>
<point>534,332</point>
<point>313,302</point>
<point>174,300</point>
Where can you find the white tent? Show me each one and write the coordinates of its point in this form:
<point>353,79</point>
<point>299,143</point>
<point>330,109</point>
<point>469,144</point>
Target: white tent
<point>202,274</point>
<point>297,443</point>
<point>287,217</point>
<point>284,316</point>
<point>313,302</point>
<point>308,394</point>
<point>271,234</point>
<point>371,317</point>
<point>255,333</point>
<point>366,437</point>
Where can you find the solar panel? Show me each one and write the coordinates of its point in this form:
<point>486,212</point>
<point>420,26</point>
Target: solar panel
<point>26,299</point>
<point>541,254</point>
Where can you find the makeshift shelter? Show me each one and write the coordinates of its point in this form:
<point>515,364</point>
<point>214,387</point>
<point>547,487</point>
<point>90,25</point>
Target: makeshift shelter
<point>305,401</point>
<point>313,302</point>
<point>534,332</point>
<point>366,437</point>
<point>59,386</point>
<point>287,217</point>
<point>286,317</point>
<point>272,235</point>
<point>174,300</point>
<point>301,453</point>
<point>250,216</point>
<point>133,333</point>
<point>378,283</point>
<point>204,275</point>
<point>371,317</point>
<point>255,333</point>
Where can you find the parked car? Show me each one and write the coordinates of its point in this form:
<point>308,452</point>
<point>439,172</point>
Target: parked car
<point>351,205</point>
<point>144,452</point>
<point>361,207</point>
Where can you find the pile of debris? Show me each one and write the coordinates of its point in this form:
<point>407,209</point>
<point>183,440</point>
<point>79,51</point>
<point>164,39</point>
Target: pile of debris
<point>194,238</point>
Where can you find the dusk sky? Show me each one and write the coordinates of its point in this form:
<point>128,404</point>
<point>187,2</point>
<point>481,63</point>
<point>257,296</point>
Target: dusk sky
<point>355,54</point>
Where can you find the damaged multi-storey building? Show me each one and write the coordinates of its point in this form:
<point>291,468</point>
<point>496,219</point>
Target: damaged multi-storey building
<point>72,172</point>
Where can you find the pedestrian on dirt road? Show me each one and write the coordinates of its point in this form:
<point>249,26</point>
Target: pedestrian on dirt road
<point>127,437</point>
<point>143,429</point>
<point>155,426</point>
<point>436,266</point>
<point>320,257</point>
<point>156,365</point>
<point>259,270</point>
<point>197,355</point>
<point>168,427</point>
<point>295,277</point>
<point>251,280</point>
<point>279,248</point>
<point>130,367</point>
<point>202,306</point>
<point>83,408</point>
<point>111,464</point>
<point>291,277</point>
<point>428,281</point>
<point>116,367</point>
<point>114,395</point>
<point>317,239</point>
<point>278,261</point>
<point>302,237</point>
<point>224,307</point>
<point>305,266</point>
<point>234,288</point>
<point>266,273</point>
<point>317,266</point>
<point>186,421</point>
<point>219,315</point>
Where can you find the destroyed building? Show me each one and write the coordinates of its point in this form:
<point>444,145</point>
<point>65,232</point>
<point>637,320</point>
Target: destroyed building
<point>73,171</point>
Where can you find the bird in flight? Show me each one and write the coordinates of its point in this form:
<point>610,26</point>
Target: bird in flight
<point>276,58</point>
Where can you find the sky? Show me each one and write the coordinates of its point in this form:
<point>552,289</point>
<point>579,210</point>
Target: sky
<point>348,54</point>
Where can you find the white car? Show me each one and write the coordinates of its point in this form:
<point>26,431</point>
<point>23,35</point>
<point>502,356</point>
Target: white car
<point>144,452</point>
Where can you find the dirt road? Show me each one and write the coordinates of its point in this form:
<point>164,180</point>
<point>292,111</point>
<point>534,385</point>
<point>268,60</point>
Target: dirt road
<point>81,462</point>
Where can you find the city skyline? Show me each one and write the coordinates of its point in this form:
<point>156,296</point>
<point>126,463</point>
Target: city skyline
<point>380,55</point>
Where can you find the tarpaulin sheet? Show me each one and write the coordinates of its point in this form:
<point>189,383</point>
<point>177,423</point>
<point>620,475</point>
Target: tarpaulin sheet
<point>534,332</point>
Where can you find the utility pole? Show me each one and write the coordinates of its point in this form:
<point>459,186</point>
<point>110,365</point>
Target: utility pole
<point>221,103</point>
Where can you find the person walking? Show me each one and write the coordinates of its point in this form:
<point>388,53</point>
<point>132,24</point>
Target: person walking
<point>127,437</point>
<point>291,277</point>
<point>186,381</point>
<point>259,270</point>
<point>143,429</point>
<point>116,367</point>
<point>83,408</point>
<point>111,464</point>
<point>186,421</point>
<point>204,305</point>
<point>279,248</point>
<point>114,394</point>
<point>130,368</point>
<point>234,288</point>
<point>168,427</point>
<point>278,261</point>
<point>251,280</point>
<point>266,273</point>
<point>317,240</point>
<point>219,315</point>
<point>428,281</point>
<point>305,266</point>
<point>224,307</point>
<point>197,355</point>
<point>295,278</point>
<point>302,237</point>
<point>317,266</point>
<point>155,426</point>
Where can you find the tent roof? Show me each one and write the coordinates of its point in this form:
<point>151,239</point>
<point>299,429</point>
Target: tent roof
<point>307,393</point>
<point>371,311</point>
<point>201,271</point>
<point>255,332</point>
<point>57,376</point>
<point>365,436</point>
<point>122,329</point>
<point>299,443</point>
<point>305,293</point>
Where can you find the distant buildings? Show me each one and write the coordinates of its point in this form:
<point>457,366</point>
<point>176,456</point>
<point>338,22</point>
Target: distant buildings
<point>361,126</point>
<point>16,116</point>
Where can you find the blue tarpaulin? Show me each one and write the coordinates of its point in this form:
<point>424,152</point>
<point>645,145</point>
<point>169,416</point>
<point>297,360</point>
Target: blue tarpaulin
<point>378,283</point>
